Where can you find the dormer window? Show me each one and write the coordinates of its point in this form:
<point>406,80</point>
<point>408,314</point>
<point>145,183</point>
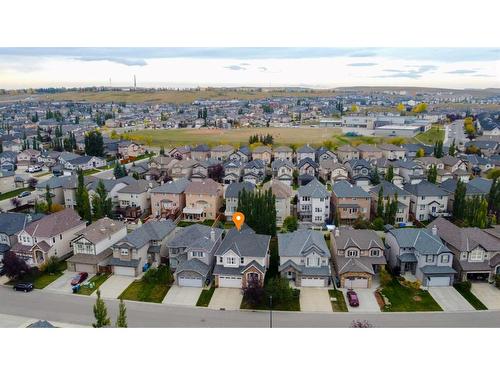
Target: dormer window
<point>123,251</point>
<point>476,255</point>
<point>374,253</point>
<point>352,254</point>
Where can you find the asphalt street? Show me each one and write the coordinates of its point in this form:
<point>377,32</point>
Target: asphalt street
<point>77,310</point>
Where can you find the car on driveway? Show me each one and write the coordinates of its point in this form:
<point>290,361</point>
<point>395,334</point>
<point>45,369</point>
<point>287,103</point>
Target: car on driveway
<point>23,287</point>
<point>34,168</point>
<point>352,297</point>
<point>79,278</point>
<point>24,194</point>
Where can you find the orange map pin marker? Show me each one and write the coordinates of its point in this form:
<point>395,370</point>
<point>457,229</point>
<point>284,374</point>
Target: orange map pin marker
<point>238,219</point>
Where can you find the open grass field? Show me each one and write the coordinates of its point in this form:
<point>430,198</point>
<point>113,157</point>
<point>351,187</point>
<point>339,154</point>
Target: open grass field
<point>172,96</point>
<point>236,137</point>
<point>436,133</point>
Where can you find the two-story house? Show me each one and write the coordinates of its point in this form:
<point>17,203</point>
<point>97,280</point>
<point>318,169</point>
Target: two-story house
<point>191,254</point>
<point>304,258</point>
<point>304,152</point>
<point>49,236</point>
<point>313,203</point>
<point>282,170</point>
<point>129,149</point>
<point>135,198</point>
<point>242,155</point>
<point>358,257</point>
<point>350,202</point>
<point>231,195</point>
<point>92,246</point>
<point>146,244</point>
<point>263,153</point>
<point>476,251</point>
<point>11,223</point>
<point>427,200</point>
<point>411,172</point>
<point>233,170</point>
<point>389,192</point>
<point>392,152</point>
<point>346,153</point>
<point>307,168</point>
<point>254,171</point>
<point>168,199</point>
<point>221,152</point>
<point>329,170</point>
<point>283,195</point>
<point>242,257</point>
<point>200,152</point>
<point>283,153</point>
<point>369,152</point>
<point>203,200</point>
<point>421,253</point>
<point>182,169</point>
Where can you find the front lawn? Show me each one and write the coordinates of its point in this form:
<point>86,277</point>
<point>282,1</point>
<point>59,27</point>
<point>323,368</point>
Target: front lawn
<point>339,305</point>
<point>41,279</point>
<point>464,290</point>
<point>140,290</point>
<point>404,298</point>
<point>205,297</point>
<point>97,280</point>
<point>292,304</point>
<point>14,193</point>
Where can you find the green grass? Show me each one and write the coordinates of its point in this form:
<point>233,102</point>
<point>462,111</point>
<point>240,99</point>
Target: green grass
<point>471,298</point>
<point>42,279</point>
<point>339,305</point>
<point>430,137</point>
<point>292,305</point>
<point>146,292</point>
<point>97,280</point>
<point>408,299</point>
<point>14,193</point>
<point>205,297</point>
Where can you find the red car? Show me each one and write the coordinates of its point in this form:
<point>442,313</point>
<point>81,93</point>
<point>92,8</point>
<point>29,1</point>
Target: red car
<point>352,297</point>
<point>79,278</point>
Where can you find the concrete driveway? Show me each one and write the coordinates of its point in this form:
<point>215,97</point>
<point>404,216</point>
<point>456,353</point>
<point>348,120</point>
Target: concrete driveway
<point>315,300</point>
<point>487,294</point>
<point>179,295</point>
<point>63,283</point>
<point>367,301</point>
<point>449,299</point>
<point>114,286</point>
<point>226,298</point>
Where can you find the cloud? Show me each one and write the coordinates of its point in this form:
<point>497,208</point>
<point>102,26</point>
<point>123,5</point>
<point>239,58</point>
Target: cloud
<point>235,67</point>
<point>117,60</point>
<point>415,71</point>
<point>362,64</point>
<point>483,75</point>
<point>262,69</point>
<point>462,71</point>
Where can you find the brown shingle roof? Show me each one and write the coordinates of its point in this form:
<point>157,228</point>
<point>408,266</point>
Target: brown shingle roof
<point>207,186</point>
<point>55,223</point>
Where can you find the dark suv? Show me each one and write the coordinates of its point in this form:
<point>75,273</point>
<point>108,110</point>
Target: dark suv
<point>24,287</point>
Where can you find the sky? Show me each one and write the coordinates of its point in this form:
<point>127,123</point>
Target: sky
<point>307,67</point>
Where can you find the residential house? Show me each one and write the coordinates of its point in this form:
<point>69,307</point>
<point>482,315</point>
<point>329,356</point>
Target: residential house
<point>254,171</point>
<point>221,152</point>
<point>313,204</point>
<point>130,149</point>
<point>350,202</point>
<point>346,153</point>
<point>389,192</point>
<point>476,251</point>
<point>231,196</point>
<point>329,170</point>
<point>282,170</point>
<point>11,223</point>
<point>450,187</point>
<point>283,153</point>
<point>358,257</point>
<point>146,244</point>
<point>180,152</point>
<point>233,170</point>
<point>392,152</point>
<point>92,246</point>
<point>163,164</point>
<point>182,169</point>
<point>200,152</point>
<point>263,153</point>
<point>304,258</point>
<point>191,254</point>
<point>323,154</point>
<point>411,172</point>
<point>427,200</point>
<point>242,257</point>
<point>84,163</point>
<point>283,194</point>
<point>135,198</point>
<point>49,236</point>
<point>242,155</point>
<point>27,157</point>
<point>369,152</point>
<point>421,253</point>
<point>168,200</point>
<point>203,200</point>
<point>304,152</point>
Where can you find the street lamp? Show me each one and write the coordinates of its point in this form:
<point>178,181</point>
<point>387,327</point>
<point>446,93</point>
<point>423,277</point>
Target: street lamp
<point>270,311</point>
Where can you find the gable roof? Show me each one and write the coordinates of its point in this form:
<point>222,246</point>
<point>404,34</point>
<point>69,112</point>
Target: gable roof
<point>314,189</point>
<point>13,222</point>
<point>245,242</point>
<point>343,189</point>
<point>420,239</point>
<point>389,189</point>
<point>279,189</point>
<point>206,186</point>
<point>425,188</point>
<point>56,223</point>
<point>300,243</point>
<point>194,235</point>
<point>234,188</point>
<point>150,231</point>
<point>172,187</point>
<point>363,239</point>
<point>101,229</point>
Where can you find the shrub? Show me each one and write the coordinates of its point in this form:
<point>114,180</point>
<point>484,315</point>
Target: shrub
<point>160,275</point>
<point>410,284</point>
<point>378,224</point>
<point>50,266</point>
<point>385,277</point>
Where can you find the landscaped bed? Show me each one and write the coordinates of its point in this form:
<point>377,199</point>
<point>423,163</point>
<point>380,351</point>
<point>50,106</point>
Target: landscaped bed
<point>97,280</point>
<point>404,298</point>
<point>464,290</point>
<point>205,297</point>
<point>339,305</point>
<point>41,279</point>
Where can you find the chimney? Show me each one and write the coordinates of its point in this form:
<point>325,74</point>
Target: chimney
<point>336,232</point>
<point>28,218</point>
<point>212,234</point>
<point>434,230</point>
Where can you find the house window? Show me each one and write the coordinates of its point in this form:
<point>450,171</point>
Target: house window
<point>352,253</point>
<point>242,260</point>
<point>445,258</point>
<point>197,254</point>
<point>123,251</point>
<point>230,260</point>
<point>476,255</point>
<point>429,258</point>
<point>374,253</point>
<point>221,259</point>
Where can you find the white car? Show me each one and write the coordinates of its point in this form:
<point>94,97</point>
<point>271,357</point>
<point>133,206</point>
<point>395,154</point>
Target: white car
<point>34,168</point>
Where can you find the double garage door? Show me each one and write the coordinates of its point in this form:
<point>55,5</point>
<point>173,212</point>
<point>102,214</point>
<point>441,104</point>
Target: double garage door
<point>124,271</point>
<point>438,281</point>
<point>190,281</point>
<point>230,281</point>
<point>356,282</point>
<point>89,268</point>
<point>312,281</point>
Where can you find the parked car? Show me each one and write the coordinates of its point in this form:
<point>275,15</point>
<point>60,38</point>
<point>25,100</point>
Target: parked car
<point>34,168</point>
<point>79,278</point>
<point>24,287</point>
<point>24,194</point>
<point>352,297</point>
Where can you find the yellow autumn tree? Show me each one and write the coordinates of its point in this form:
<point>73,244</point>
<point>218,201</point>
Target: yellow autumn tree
<point>401,107</point>
<point>419,108</point>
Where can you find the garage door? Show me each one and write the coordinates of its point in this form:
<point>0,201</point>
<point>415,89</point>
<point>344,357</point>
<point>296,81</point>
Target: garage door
<point>356,282</point>
<point>190,281</point>
<point>124,271</point>
<point>84,268</point>
<point>439,281</point>
<point>312,281</point>
<point>230,281</point>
